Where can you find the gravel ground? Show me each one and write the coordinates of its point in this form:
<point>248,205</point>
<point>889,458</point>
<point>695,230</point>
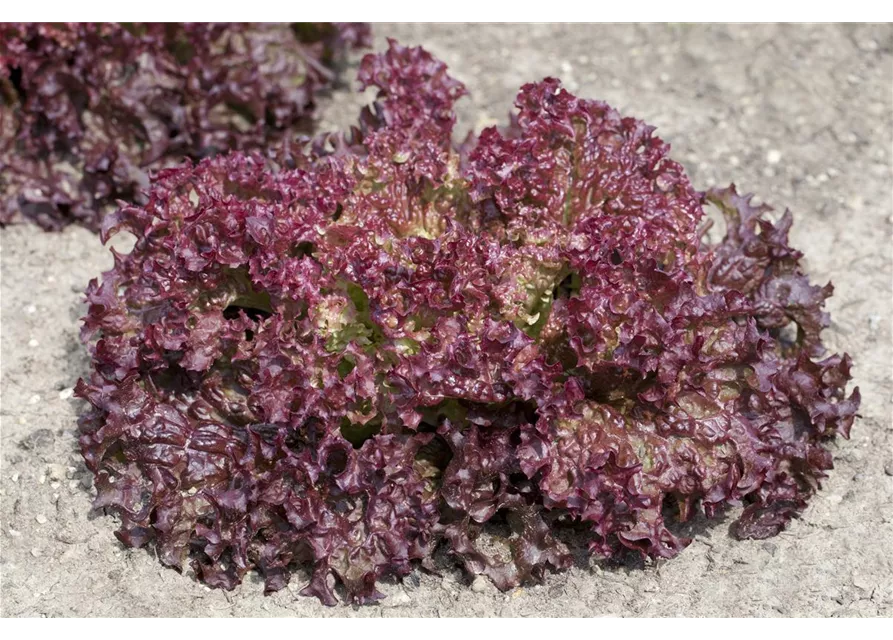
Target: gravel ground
<point>798,114</point>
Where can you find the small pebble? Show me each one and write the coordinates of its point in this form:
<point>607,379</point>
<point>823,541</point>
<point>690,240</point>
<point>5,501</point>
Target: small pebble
<point>35,552</point>
<point>34,399</point>
<point>41,519</point>
<point>14,477</point>
<point>479,585</point>
<point>13,533</point>
<point>56,472</point>
<point>31,309</point>
<point>868,45</point>
<point>398,599</point>
<point>860,581</point>
<point>774,156</point>
<point>888,468</point>
<point>65,394</point>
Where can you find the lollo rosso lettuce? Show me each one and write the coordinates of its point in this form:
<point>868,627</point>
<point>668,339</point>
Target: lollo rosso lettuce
<point>380,343</point>
<point>88,110</point>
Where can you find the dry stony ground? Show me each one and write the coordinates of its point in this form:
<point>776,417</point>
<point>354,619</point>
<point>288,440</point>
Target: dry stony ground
<point>799,114</point>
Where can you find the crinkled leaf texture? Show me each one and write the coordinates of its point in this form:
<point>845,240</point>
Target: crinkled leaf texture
<point>379,344</point>
<point>88,110</point>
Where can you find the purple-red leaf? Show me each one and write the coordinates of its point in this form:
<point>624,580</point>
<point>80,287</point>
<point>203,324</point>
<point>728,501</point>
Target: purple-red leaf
<point>87,111</point>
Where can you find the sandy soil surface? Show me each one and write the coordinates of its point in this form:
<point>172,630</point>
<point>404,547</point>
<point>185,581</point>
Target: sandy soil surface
<point>799,114</point>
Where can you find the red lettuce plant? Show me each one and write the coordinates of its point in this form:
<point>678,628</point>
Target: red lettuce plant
<point>375,347</point>
<point>87,110</point>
